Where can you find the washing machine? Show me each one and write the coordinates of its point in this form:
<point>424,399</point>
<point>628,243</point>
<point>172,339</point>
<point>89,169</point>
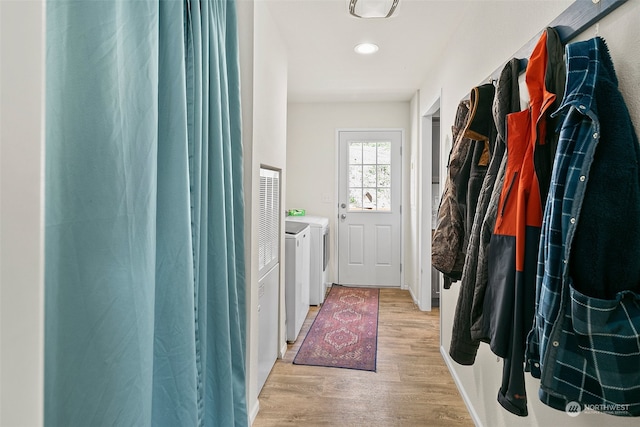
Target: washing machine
<point>319,279</point>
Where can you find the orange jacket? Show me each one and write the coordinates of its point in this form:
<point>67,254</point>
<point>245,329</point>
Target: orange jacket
<point>510,297</point>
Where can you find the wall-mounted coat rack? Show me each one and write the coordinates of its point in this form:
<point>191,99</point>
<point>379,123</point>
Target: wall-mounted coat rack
<point>579,16</point>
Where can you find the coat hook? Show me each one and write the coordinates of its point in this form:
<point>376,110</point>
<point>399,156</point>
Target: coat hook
<point>597,23</point>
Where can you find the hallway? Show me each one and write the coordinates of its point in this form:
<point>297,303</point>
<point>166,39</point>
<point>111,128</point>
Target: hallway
<point>412,386</point>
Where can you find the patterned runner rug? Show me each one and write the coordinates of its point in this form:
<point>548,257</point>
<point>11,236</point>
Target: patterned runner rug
<point>345,331</point>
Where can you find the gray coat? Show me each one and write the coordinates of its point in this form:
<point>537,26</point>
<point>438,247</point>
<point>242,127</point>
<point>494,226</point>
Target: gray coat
<point>464,346</point>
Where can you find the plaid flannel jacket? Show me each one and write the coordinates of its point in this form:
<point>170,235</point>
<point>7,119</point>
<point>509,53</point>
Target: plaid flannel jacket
<point>586,349</point>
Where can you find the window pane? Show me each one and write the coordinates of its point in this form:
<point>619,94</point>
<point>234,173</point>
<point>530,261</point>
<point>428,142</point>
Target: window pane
<point>369,153</point>
<point>355,176</point>
<point>355,153</point>
<point>384,176</point>
<point>384,153</point>
<point>355,199</point>
<point>384,199</point>
<point>369,198</point>
<point>368,176</point>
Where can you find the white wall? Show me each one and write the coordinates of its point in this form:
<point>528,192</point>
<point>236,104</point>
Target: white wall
<point>264,86</point>
<point>472,56</point>
<point>311,153</point>
<point>270,122</point>
<point>246,13</point>
<point>22,27</point>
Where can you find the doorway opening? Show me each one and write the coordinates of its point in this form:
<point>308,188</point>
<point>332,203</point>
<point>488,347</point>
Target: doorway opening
<point>429,202</point>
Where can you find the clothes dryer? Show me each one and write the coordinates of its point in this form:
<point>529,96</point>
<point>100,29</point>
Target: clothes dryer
<point>297,239</point>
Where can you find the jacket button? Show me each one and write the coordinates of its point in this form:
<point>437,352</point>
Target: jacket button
<point>582,107</point>
<point>556,343</point>
<point>572,220</point>
<point>595,135</point>
<point>582,178</point>
<point>537,365</point>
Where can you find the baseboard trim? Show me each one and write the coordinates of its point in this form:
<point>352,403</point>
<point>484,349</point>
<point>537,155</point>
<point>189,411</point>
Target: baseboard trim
<point>417,302</point>
<point>413,296</point>
<point>283,350</point>
<point>253,413</point>
<point>465,397</point>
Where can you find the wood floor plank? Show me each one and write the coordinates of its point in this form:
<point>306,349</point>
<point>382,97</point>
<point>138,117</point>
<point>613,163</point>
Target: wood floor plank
<point>412,385</point>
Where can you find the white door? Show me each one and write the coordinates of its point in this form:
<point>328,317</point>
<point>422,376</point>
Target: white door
<point>369,218</point>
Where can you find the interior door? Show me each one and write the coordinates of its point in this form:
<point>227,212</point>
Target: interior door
<point>369,217</point>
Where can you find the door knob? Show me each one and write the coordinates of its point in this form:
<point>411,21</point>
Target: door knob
<point>343,216</point>
<point>344,205</point>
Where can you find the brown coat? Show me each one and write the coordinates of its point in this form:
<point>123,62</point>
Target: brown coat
<point>447,252</point>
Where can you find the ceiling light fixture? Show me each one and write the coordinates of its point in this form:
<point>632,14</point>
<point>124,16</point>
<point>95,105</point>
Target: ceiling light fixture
<point>366,48</point>
<point>372,8</point>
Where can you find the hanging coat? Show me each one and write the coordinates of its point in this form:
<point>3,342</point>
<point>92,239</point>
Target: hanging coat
<point>464,344</point>
<point>472,177</point>
<point>545,149</point>
<point>584,345</point>
<point>447,252</point>
<point>507,100</point>
<point>510,296</point>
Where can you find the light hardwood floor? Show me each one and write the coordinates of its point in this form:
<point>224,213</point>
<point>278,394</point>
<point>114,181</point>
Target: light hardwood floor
<point>412,386</point>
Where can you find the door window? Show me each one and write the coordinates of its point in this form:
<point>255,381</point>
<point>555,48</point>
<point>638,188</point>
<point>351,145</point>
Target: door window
<point>369,176</point>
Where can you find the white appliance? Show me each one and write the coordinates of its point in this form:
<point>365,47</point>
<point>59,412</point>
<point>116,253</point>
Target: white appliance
<point>296,296</point>
<point>319,255</point>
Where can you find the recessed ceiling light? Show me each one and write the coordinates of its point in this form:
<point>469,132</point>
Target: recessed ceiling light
<point>366,48</point>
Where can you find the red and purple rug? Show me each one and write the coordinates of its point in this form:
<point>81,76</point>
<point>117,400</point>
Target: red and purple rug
<point>345,331</point>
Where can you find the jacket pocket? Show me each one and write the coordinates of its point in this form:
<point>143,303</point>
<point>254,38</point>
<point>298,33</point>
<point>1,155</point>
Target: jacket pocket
<point>608,335</point>
<point>508,193</point>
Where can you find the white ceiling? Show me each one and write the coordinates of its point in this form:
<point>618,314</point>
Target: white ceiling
<point>320,35</point>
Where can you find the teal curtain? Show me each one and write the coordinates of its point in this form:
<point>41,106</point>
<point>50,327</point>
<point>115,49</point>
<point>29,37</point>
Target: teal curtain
<point>144,240</point>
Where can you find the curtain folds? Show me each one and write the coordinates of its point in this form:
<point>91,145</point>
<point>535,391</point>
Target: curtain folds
<point>144,240</point>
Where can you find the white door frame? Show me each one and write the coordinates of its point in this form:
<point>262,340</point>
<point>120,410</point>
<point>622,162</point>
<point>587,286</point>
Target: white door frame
<point>336,207</point>
<point>425,203</point>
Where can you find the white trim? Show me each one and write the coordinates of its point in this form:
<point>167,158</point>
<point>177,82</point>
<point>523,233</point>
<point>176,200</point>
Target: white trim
<point>425,178</point>
<point>253,412</point>
<point>434,105</point>
<point>283,350</point>
<point>406,203</point>
<point>415,299</point>
<point>424,214</point>
<point>461,389</point>
<point>336,208</point>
